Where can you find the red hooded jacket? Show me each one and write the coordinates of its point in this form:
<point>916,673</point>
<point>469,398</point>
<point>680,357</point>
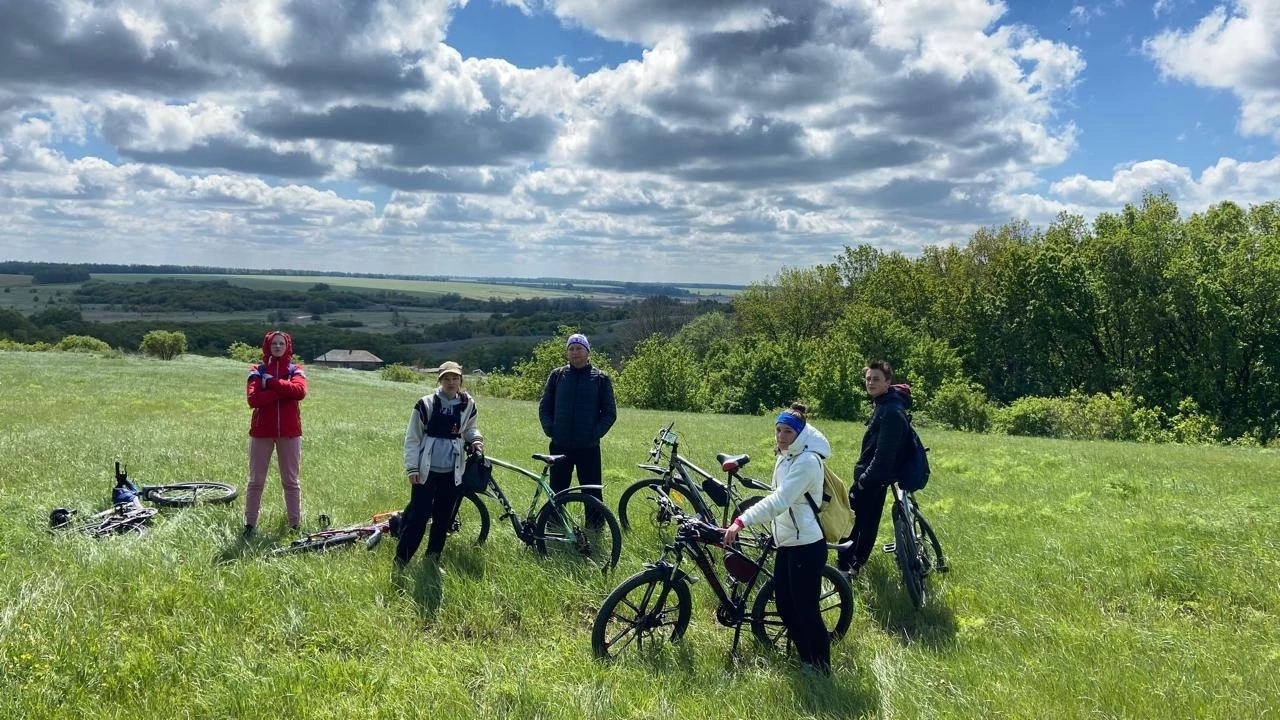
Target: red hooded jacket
<point>274,388</point>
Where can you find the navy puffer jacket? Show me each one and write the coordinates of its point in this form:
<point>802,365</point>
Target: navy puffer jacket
<point>577,406</point>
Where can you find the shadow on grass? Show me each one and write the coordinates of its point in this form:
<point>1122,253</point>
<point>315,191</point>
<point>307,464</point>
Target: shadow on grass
<point>238,547</point>
<point>834,696</point>
<point>466,559</point>
<point>933,626</point>
<point>423,583</point>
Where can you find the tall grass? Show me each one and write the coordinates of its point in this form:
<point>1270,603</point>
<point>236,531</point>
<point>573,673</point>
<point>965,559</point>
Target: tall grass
<point>1090,579</point>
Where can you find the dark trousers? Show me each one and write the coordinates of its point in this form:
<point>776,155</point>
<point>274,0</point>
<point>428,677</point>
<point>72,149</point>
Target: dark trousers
<point>587,461</point>
<point>435,500</point>
<point>868,506</point>
<point>797,585</point>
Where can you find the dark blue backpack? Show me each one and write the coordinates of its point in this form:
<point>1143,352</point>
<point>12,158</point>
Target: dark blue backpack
<point>914,473</point>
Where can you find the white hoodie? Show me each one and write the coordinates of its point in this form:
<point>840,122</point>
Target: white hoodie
<point>795,472</point>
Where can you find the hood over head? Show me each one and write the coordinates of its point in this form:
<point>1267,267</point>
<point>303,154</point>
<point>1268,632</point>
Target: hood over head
<point>288,346</point>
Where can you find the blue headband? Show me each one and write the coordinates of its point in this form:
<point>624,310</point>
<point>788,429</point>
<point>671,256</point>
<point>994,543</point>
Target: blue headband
<point>791,420</point>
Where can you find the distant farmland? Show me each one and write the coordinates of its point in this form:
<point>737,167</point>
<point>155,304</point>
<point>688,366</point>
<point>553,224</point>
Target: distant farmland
<point>481,291</point>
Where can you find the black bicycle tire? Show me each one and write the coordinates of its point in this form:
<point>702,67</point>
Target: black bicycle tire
<point>937,561</point>
<point>547,513</point>
<point>482,511</point>
<point>835,585</point>
<point>221,493</point>
<point>656,516</point>
<point>906,552</point>
<point>654,577</point>
<point>316,543</point>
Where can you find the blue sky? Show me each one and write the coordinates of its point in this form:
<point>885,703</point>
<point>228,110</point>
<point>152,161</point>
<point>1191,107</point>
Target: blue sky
<point>645,140</point>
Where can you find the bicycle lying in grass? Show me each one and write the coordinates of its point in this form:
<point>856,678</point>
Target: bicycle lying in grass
<point>688,486</point>
<point>128,515</point>
<point>915,546</point>
<point>569,521</point>
<point>655,605</point>
<point>470,521</point>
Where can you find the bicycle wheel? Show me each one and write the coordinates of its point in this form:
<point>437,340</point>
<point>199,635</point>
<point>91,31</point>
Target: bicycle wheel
<point>562,527</point>
<point>637,507</point>
<point>189,493</point>
<point>644,612</point>
<point>930,548</point>
<point>472,519</point>
<point>835,602</point>
<point>319,541</point>
<point>906,551</point>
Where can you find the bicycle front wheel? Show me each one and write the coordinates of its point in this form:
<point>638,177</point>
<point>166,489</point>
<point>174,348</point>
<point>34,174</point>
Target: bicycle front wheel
<point>189,493</point>
<point>637,507</point>
<point>835,602</point>
<point>312,543</point>
<point>930,548</point>
<point>579,524</point>
<point>906,551</point>
<point>645,611</point>
<point>471,522</point>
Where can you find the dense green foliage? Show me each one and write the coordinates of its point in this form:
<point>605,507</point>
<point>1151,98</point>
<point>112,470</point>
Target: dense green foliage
<point>1143,326</point>
<point>1089,579</point>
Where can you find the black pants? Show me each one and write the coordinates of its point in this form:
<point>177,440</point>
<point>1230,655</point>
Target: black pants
<point>868,506</point>
<point>797,585</point>
<point>587,461</point>
<point>435,500</point>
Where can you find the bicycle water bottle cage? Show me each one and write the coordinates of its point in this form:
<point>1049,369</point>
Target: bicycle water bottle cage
<point>716,491</point>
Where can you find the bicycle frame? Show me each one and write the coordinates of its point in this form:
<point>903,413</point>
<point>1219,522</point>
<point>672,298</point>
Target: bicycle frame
<point>523,524</point>
<point>682,468</point>
<point>692,538</point>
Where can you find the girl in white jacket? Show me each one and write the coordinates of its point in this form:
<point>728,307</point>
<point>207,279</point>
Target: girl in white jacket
<point>802,551</point>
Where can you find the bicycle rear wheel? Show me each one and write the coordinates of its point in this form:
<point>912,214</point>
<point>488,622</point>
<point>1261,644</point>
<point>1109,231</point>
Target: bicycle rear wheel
<point>189,493</point>
<point>835,602</point>
<point>579,524</point>
<point>645,611</point>
<point>907,552</point>
<point>318,541</point>
<point>471,522</point>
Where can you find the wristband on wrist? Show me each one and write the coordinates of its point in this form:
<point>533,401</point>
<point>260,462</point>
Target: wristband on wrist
<point>737,522</point>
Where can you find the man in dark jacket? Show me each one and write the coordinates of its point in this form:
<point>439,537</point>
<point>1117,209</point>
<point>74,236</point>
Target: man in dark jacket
<point>576,410</point>
<point>879,462</point>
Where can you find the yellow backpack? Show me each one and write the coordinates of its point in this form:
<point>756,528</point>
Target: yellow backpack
<point>834,515</point>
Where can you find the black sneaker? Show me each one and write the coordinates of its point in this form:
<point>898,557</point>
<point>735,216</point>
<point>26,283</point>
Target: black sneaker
<point>247,533</point>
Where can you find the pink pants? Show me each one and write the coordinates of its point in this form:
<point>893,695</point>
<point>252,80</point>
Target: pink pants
<point>289,455</point>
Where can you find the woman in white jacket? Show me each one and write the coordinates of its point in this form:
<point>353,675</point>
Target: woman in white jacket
<point>802,551</point>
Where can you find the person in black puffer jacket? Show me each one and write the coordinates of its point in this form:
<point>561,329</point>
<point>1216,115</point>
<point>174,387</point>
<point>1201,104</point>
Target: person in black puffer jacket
<point>576,410</point>
<point>882,446</point>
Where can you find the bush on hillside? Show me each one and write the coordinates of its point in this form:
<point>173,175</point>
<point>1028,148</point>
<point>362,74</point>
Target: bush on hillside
<point>82,343</point>
<point>962,405</point>
<point>661,375</point>
<point>396,372</point>
<point>244,352</point>
<point>163,344</point>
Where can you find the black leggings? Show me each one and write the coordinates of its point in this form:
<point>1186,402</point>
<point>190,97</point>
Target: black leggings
<point>435,500</point>
<point>797,585</point>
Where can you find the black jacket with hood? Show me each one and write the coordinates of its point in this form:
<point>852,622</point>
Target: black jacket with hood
<point>884,442</point>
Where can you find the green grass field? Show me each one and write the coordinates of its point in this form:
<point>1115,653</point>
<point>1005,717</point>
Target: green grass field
<point>1089,580</point>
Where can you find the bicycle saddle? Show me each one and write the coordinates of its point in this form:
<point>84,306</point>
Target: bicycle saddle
<point>729,463</point>
<point>548,459</point>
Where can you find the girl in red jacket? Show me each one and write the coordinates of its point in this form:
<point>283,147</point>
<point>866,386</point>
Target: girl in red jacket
<point>274,389</point>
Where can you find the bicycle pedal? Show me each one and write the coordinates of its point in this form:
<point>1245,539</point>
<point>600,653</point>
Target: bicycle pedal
<point>890,547</point>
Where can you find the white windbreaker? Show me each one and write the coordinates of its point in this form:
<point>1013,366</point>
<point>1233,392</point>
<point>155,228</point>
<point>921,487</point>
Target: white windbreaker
<point>795,472</point>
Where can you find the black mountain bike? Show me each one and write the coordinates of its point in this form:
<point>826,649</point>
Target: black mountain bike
<point>915,546</point>
<point>655,605</point>
<point>688,486</point>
